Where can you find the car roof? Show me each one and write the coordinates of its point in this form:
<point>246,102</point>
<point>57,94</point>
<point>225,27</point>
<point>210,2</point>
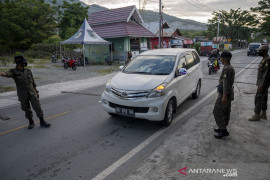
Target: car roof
<point>255,43</point>
<point>166,51</point>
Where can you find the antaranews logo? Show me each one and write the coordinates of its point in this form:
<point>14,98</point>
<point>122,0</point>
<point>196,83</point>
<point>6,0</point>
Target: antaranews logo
<point>183,169</point>
<point>224,172</point>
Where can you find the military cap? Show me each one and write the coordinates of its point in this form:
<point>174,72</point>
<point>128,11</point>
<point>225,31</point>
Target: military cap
<point>19,59</point>
<point>263,47</point>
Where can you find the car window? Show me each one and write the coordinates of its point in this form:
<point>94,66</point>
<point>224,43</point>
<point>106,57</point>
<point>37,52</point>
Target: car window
<point>182,63</point>
<point>190,60</point>
<point>150,64</point>
<point>254,46</point>
<point>196,57</point>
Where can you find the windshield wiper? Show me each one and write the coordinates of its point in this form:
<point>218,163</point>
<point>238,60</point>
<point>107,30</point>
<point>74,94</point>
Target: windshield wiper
<point>136,72</point>
<point>160,74</point>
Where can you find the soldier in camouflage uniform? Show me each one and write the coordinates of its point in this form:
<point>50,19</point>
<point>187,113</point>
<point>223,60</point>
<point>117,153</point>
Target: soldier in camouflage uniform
<point>26,91</point>
<point>222,107</point>
<point>263,82</point>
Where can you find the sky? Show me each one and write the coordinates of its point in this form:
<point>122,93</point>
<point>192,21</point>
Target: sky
<point>198,10</point>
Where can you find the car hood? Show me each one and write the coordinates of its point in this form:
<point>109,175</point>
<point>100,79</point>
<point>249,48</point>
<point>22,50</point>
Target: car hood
<point>137,82</point>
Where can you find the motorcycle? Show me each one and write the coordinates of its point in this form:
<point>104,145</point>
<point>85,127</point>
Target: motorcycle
<point>64,58</point>
<point>71,63</point>
<point>54,58</point>
<point>213,65</point>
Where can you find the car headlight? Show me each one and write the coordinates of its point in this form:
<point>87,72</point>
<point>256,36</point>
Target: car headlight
<point>157,92</point>
<point>108,87</point>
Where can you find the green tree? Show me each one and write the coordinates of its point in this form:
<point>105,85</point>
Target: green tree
<point>24,22</point>
<point>263,9</point>
<point>72,17</point>
<point>235,24</point>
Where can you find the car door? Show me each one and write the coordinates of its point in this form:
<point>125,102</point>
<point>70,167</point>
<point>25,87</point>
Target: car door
<point>191,71</point>
<point>181,81</point>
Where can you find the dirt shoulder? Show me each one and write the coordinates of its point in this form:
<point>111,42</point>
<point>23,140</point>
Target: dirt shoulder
<point>46,72</point>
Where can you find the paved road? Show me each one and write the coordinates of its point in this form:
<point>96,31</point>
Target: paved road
<point>83,140</point>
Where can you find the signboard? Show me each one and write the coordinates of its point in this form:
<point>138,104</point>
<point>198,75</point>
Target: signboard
<point>178,42</point>
<point>188,41</point>
<point>206,43</point>
<point>227,47</point>
<point>215,46</point>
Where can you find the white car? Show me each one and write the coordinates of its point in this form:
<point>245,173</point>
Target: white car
<point>153,84</point>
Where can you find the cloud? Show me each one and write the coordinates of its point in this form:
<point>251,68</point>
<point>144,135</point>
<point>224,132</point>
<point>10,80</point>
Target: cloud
<point>199,10</point>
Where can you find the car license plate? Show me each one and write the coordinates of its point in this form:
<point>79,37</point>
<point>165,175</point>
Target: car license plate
<point>124,111</point>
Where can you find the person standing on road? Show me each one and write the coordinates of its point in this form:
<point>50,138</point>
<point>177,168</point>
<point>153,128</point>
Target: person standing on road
<point>26,91</point>
<point>263,83</point>
<point>222,107</point>
<point>129,56</point>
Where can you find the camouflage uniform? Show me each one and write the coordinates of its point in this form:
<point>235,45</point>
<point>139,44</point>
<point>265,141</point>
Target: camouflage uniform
<point>222,113</point>
<point>26,91</point>
<point>263,80</point>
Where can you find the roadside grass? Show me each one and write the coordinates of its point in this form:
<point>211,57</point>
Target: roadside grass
<point>39,66</point>
<point>4,69</point>
<point>5,60</point>
<point>38,61</point>
<point>6,89</point>
<point>38,78</point>
<point>107,70</point>
<point>57,66</point>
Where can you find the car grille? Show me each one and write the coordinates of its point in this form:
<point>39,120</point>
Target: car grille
<point>129,94</point>
<point>136,109</point>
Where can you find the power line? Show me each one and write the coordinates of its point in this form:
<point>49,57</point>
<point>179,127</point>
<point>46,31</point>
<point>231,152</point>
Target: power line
<point>203,5</point>
<point>196,6</point>
<point>179,12</point>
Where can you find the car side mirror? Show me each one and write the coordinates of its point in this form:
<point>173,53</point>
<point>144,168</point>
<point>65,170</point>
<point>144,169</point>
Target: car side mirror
<point>120,68</point>
<point>182,71</point>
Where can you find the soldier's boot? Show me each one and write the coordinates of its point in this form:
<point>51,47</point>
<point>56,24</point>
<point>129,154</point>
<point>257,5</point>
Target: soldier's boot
<point>263,115</point>
<point>31,124</point>
<point>255,117</point>
<point>222,133</point>
<point>217,129</point>
<point>43,123</point>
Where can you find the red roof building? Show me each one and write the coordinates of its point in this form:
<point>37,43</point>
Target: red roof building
<point>122,27</point>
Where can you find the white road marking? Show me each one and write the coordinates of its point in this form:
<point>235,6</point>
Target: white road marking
<point>141,146</point>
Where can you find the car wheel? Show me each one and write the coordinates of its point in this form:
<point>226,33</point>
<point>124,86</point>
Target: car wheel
<point>196,94</point>
<point>169,113</point>
<point>65,66</point>
<point>248,54</point>
<point>210,71</point>
<point>74,67</point>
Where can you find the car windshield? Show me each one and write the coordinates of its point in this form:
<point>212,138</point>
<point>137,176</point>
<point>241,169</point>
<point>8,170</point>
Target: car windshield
<point>155,65</point>
<point>254,46</point>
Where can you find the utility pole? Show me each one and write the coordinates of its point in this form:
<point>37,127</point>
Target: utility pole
<point>218,28</point>
<point>159,37</point>
<point>162,6</point>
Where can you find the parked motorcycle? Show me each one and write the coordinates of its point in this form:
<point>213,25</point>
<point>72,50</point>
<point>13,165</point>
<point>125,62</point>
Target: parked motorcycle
<point>213,65</point>
<point>64,58</point>
<point>71,63</point>
<point>54,58</point>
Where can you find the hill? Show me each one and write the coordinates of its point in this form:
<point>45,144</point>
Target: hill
<point>93,8</point>
<point>149,16</point>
